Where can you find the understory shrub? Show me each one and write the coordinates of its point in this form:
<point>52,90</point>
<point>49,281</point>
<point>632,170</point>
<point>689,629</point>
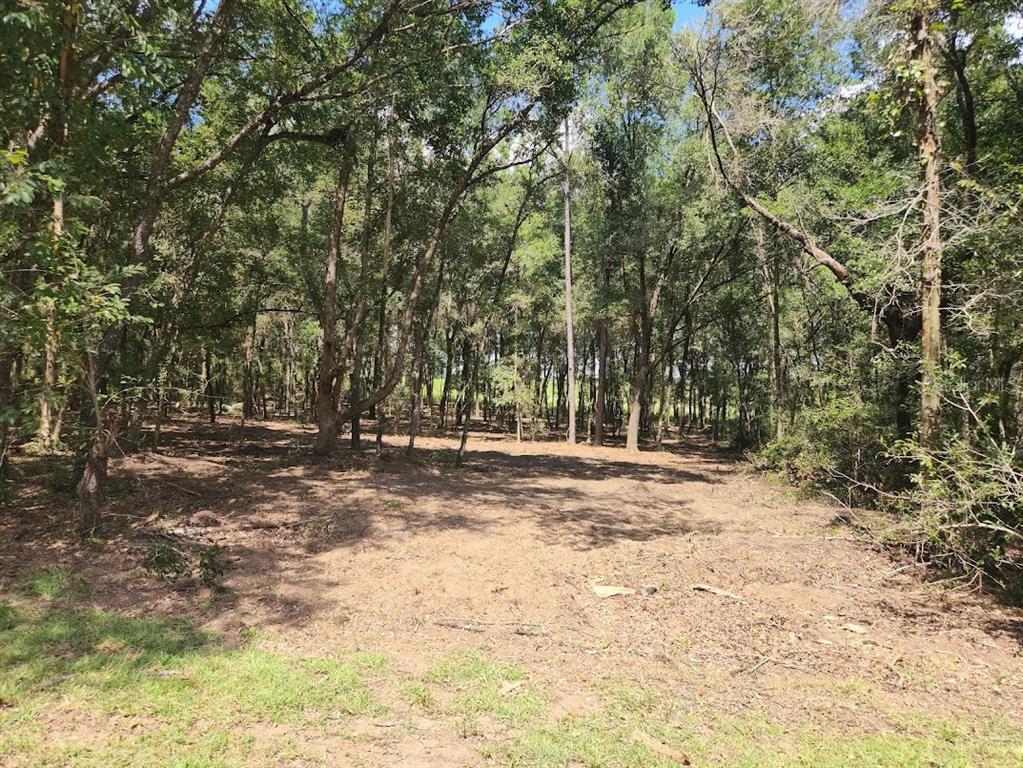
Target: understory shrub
<point>170,563</point>
<point>959,508</point>
<point>840,448</point>
<point>967,508</point>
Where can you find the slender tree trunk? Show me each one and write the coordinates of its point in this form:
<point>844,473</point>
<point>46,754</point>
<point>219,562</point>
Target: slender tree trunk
<point>964,98</point>
<point>356,394</point>
<point>467,406</point>
<point>92,483</point>
<point>59,135</point>
<point>248,383</point>
<point>208,387</point>
<point>517,381</point>
<point>666,404</point>
<point>466,373</point>
<point>601,404</point>
<point>770,269</point>
<point>569,334</point>
<point>445,393</point>
<point>929,147</point>
<point>640,380</point>
<point>415,404</point>
<point>6,433</point>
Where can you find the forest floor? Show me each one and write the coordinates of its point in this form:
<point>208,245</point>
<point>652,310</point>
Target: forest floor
<point>385,611</point>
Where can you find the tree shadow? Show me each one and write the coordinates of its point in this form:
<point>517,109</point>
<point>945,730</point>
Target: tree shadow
<point>260,493</point>
<point>43,648</point>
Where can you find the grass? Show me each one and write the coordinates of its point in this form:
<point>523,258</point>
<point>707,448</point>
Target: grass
<point>478,686</point>
<point>90,688</point>
<point>52,584</point>
<point>605,740</point>
<point>82,687</point>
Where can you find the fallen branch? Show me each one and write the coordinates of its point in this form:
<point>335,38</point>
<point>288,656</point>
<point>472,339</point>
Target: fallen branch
<point>49,683</point>
<point>452,624</point>
<point>476,625</point>
<point>182,488</point>
<point>262,525</point>
<point>719,592</point>
<point>764,660</point>
<point>658,748</point>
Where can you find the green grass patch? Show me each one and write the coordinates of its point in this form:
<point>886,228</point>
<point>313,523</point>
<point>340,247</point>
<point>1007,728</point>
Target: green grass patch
<point>476,685</point>
<point>92,688</point>
<point>605,740</point>
<point>89,688</point>
<point>418,695</point>
<point>51,584</point>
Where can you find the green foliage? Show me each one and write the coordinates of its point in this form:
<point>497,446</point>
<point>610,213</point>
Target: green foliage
<point>211,566</point>
<point>168,562</point>
<point>840,447</point>
<point>966,511</point>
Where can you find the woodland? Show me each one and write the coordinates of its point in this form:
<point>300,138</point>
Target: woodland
<point>327,251</point>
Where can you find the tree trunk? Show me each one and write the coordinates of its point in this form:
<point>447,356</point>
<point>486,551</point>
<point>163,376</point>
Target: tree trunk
<point>927,139</point>
<point>964,98</point>
<point>569,335</point>
<point>208,386</point>
<point>666,403</point>
<point>445,393</point>
<point>466,372</point>
<point>416,393</point>
<point>58,136</point>
<point>92,483</point>
<point>467,405</point>
<point>356,393</point>
<point>6,433</point>
<point>601,402</point>
<point>326,407</point>
<point>770,269</point>
<point>635,408</point>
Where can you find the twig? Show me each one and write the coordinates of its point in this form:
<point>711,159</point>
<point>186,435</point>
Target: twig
<point>719,592</point>
<point>660,749</point>
<point>182,488</point>
<point>452,624</point>
<point>49,683</point>
<point>764,660</point>
<point>476,625</point>
<point>260,525</point>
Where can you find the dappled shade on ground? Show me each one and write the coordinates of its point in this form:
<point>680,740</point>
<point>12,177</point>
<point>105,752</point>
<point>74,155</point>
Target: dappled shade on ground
<point>392,611</point>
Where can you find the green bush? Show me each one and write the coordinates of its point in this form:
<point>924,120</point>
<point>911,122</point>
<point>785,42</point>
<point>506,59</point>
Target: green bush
<point>967,508</point>
<point>170,563</point>
<point>839,447</point>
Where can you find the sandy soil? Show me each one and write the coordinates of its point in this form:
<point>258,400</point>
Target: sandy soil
<point>418,557</point>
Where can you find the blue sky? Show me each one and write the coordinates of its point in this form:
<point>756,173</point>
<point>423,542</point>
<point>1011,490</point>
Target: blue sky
<point>687,13</point>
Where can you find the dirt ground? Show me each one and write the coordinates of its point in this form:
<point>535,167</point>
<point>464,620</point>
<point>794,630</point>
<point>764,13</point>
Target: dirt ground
<point>417,558</point>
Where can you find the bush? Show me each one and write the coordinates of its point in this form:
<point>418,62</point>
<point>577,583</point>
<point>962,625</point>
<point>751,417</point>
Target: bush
<point>967,506</point>
<point>840,447</point>
<point>170,563</point>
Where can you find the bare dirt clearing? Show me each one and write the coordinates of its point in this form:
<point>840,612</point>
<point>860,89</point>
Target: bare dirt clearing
<point>421,562</point>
